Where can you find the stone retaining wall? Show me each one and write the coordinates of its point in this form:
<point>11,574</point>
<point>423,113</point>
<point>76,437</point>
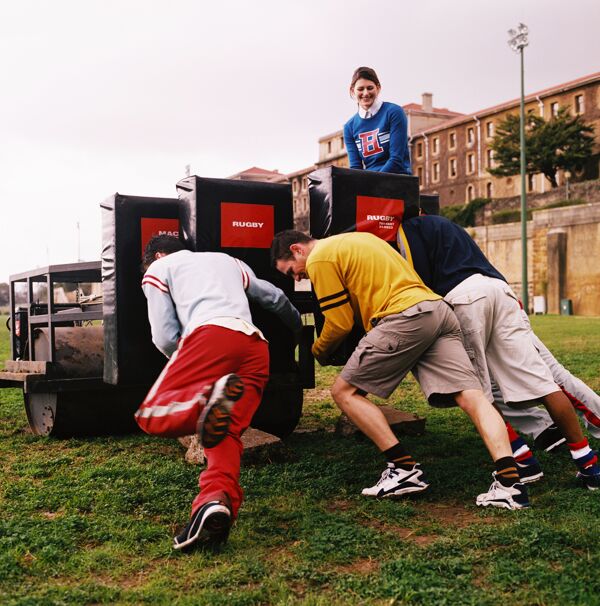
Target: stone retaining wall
<point>563,250</point>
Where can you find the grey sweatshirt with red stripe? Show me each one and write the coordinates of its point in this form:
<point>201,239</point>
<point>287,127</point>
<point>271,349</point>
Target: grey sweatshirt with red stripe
<point>187,289</point>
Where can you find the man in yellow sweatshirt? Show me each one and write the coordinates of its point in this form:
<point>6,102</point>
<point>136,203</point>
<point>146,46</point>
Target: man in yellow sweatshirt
<point>357,276</point>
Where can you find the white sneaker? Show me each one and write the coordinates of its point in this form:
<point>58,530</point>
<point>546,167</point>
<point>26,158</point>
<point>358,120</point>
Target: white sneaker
<point>395,481</point>
<point>507,497</point>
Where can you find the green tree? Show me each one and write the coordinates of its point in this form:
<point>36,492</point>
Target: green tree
<point>564,142</point>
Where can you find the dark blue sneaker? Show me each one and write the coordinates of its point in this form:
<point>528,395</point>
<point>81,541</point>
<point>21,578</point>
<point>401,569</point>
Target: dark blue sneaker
<point>208,528</point>
<point>530,471</point>
<point>590,477</point>
<point>549,440</point>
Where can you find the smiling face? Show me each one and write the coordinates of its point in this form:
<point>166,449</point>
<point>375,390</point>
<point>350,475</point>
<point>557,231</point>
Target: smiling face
<point>365,92</point>
<point>296,266</point>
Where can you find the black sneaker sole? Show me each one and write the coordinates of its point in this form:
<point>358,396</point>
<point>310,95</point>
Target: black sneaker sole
<point>212,534</point>
<point>216,417</point>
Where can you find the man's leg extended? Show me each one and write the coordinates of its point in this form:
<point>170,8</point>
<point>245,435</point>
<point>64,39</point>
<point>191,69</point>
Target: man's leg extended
<point>487,421</point>
<point>584,399</point>
<point>403,474</point>
<point>363,413</point>
<point>248,357</point>
<point>216,506</point>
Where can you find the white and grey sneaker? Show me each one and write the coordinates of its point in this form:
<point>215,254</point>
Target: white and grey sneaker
<point>395,482</point>
<point>507,497</point>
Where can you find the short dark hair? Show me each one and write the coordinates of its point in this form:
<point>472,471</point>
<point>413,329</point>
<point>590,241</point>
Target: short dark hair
<point>367,73</point>
<point>160,244</point>
<point>280,248</point>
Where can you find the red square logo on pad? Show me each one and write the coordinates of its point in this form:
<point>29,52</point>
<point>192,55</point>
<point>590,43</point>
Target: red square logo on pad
<point>379,216</point>
<point>151,226</point>
<point>247,225</point>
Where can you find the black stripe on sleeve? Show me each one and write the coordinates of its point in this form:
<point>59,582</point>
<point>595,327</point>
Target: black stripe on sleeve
<point>337,304</point>
<point>335,296</point>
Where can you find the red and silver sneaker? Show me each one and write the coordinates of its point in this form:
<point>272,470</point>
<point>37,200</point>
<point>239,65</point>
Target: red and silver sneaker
<point>216,417</point>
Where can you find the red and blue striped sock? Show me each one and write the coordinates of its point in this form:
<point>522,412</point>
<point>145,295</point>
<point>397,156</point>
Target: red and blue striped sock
<point>585,458</point>
<point>521,451</point>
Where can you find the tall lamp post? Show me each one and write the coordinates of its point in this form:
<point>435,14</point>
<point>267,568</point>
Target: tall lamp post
<point>518,41</point>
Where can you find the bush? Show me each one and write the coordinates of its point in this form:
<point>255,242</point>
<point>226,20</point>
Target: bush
<point>464,214</point>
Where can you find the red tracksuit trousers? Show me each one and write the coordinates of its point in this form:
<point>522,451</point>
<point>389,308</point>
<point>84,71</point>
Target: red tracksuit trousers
<point>172,407</point>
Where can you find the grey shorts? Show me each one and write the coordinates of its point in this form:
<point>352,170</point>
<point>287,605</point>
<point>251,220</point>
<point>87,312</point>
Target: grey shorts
<point>499,340</point>
<point>424,338</point>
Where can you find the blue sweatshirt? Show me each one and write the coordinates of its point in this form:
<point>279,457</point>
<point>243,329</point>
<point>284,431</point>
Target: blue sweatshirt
<point>442,253</point>
<point>380,142</point>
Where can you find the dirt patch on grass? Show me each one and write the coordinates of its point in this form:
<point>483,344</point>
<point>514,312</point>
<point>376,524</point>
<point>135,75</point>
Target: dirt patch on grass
<point>402,532</point>
<point>51,515</point>
<point>447,515</point>
<point>317,395</point>
<point>280,554</point>
<point>339,505</point>
<point>364,566</point>
<point>452,514</point>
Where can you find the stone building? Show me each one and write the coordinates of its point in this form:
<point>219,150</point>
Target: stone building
<point>450,151</point>
<point>452,158</point>
<point>299,181</point>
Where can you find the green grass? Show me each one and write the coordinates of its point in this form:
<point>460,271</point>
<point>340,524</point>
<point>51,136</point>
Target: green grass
<point>90,521</point>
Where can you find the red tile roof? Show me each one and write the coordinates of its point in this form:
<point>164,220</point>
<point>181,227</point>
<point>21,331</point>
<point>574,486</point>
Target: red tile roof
<point>434,110</point>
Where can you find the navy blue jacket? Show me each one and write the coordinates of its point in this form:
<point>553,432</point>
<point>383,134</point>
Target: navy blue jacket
<point>442,253</point>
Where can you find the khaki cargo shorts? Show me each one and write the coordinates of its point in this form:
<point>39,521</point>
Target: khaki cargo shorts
<point>424,338</point>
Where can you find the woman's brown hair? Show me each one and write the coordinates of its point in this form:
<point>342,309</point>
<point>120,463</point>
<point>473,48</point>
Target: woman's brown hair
<point>368,73</point>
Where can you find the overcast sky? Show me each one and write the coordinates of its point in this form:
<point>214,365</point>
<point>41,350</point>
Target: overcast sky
<point>100,96</point>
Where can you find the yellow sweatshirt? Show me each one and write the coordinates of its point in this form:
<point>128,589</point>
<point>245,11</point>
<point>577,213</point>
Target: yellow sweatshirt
<point>359,276</point>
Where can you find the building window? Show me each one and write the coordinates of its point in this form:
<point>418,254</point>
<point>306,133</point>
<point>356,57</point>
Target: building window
<point>420,149</point>
<point>435,145</point>
<point>452,140</point>
<point>420,175</point>
<point>579,106</point>
<point>530,182</point>
<point>470,193</point>
<point>488,189</point>
<point>342,142</point>
<point>470,135</point>
<point>554,109</point>
<point>452,167</point>
<point>489,129</point>
<point>436,172</point>
<point>304,183</point>
<point>295,186</point>
<point>470,163</point>
<point>489,156</point>
<point>328,147</point>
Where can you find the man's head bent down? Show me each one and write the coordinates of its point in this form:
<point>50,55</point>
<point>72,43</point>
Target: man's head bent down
<point>289,251</point>
<point>159,246</point>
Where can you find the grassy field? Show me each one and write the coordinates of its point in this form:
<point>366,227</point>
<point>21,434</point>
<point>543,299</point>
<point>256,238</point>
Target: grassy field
<point>90,521</point>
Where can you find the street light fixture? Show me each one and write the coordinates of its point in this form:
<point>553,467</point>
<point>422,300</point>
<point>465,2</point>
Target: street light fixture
<point>518,41</point>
